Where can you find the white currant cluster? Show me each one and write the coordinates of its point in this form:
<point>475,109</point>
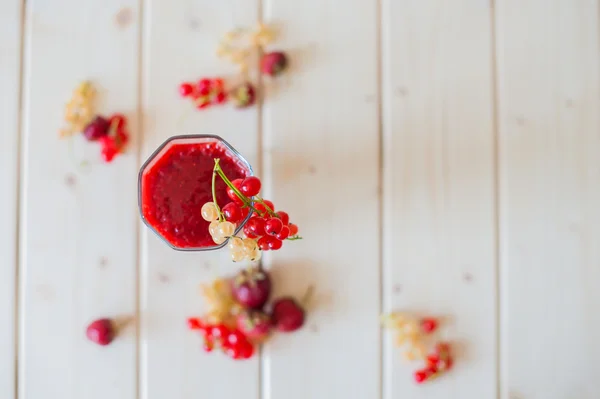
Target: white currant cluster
<point>220,230</point>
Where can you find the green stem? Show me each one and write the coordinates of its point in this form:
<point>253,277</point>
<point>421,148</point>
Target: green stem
<point>233,188</point>
<point>214,192</point>
<point>267,207</point>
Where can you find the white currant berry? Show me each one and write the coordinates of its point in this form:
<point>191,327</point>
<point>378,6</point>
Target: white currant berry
<point>237,255</point>
<point>256,254</point>
<point>236,243</point>
<point>249,245</point>
<point>209,212</point>
<point>226,229</point>
<point>213,228</point>
<point>219,239</point>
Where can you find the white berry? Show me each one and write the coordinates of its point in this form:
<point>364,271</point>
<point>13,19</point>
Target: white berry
<point>209,212</point>
<point>226,229</point>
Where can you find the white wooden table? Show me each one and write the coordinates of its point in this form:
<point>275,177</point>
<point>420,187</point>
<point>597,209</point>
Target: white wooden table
<point>440,156</point>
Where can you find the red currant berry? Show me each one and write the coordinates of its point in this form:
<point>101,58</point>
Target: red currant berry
<point>204,86</point>
<point>186,89</point>
<point>202,104</point>
<point>220,98</point>
<point>233,213</point>
<point>274,243</point>
<point>420,376</point>
<point>233,352</point>
<point>118,122</point>
<point>284,233</point>
<point>273,226</point>
<point>232,195</point>
<point>431,370</point>
<point>262,209</point>
<point>263,243</point>
<point>248,231</point>
<point>250,186</point>
<point>235,338</point>
<point>285,218</point>
<point>245,211</point>
<point>256,225</point>
<point>293,229</point>
<point>194,323</point>
<point>432,360</point>
<point>428,325</point>
<point>219,331</point>
<point>246,350</point>
<point>109,149</point>
<point>218,83</point>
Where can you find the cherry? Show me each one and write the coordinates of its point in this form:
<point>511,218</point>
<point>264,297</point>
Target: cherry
<point>428,325</point>
<point>256,225</point>
<point>251,287</point>
<point>254,324</point>
<point>273,226</point>
<point>284,233</point>
<point>273,243</point>
<point>250,186</point>
<point>218,82</point>
<point>97,128</point>
<point>287,314</point>
<point>273,63</point>
<point>285,218</point>
<point>194,323</point>
<point>420,376</point>
<point>232,195</point>
<point>233,213</point>
<point>293,229</point>
<point>101,331</point>
<point>186,89</point>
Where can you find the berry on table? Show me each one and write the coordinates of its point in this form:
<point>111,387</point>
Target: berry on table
<point>250,186</point>
<point>186,89</point>
<point>273,63</point>
<point>243,95</point>
<point>194,323</point>
<point>97,128</point>
<point>420,376</point>
<point>101,331</point>
<point>251,288</point>
<point>254,324</point>
<point>429,325</point>
<point>287,314</point>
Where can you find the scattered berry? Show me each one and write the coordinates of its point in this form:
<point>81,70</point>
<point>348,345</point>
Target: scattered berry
<point>194,323</point>
<point>186,89</point>
<point>287,314</point>
<point>251,288</point>
<point>273,63</point>
<point>429,325</point>
<point>420,376</point>
<point>254,324</point>
<point>101,331</point>
<point>97,128</point>
<point>256,226</point>
<point>244,95</point>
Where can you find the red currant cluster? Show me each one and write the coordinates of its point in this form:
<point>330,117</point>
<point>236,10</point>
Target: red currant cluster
<point>238,318</point>
<point>265,230</point>
<point>231,341</point>
<point>205,93</point>
<point>437,363</point>
<point>111,133</point>
<point>413,333</point>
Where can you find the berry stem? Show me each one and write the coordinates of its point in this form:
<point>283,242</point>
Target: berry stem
<point>237,192</point>
<point>214,191</point>
<point>267,207</point>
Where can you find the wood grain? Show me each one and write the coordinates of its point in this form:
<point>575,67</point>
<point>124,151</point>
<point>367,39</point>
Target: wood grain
<point>78,226</point>
<point>180,40</point>
<point>321,153</point>
<point>439,213</point>
<point>10,76</point>
<point>549,97</point>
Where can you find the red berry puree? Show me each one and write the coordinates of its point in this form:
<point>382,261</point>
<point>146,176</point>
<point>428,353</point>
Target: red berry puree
<point>178,181</point>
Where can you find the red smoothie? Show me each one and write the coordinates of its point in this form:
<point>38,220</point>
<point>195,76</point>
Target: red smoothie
<point>177,181</point>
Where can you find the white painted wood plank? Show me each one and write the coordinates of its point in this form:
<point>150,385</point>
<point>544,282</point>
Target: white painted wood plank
<point>549,93</point>
<point>10,67</point>
<point>180,40</point>
<point>79,244</point>
<point>321,152</point>
<point>439,215</point>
